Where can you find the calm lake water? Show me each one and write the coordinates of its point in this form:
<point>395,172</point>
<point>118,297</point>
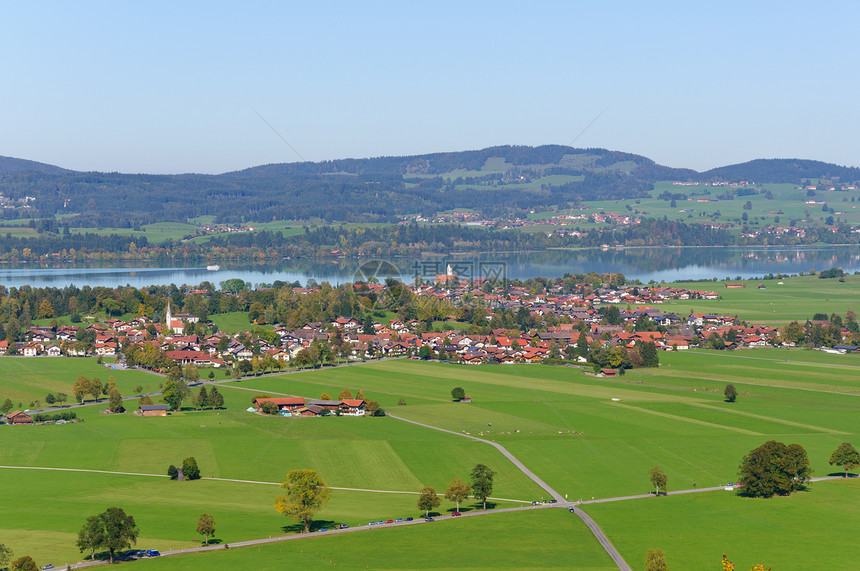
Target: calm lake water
<point>645,264</point>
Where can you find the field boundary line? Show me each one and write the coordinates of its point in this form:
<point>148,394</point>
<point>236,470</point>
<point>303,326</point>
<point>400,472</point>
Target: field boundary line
<point>685,419</point>
<point>770,419</point>
<point>231,480</point>
<point>53,469</point>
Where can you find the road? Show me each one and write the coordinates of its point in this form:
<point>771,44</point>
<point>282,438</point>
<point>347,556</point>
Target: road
<point>561,502</point>
<point>576,506</point>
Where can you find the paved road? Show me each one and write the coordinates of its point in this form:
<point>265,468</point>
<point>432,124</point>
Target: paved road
<point>592,525</point>
<point>498,447</point>
<point>595,529</point>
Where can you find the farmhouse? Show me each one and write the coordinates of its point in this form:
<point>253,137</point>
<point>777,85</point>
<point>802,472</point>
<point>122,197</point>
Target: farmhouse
<point>152,410</point>
<point>19,417</point>
<point>283,403</point>
<point>352,407</point>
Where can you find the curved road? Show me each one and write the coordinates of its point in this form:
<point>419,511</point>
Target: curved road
<point>595,529</point>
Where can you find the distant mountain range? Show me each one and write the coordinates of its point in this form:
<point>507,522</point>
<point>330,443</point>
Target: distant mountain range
<point>497,181</point>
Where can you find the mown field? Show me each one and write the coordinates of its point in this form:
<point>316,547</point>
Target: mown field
<point>562,424</point>
<point>797,298</point>
<point>807,530</point>
<point>550,539</point>
<point>27,379</point>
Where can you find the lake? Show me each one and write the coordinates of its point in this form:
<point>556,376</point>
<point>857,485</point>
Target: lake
<point>644,264</point>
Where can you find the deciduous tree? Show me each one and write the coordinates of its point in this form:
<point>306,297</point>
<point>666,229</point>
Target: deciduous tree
<point>731,393</point>
<point>115,401</point>
<point>655,560</point>
<point>457,491</point>
<point>458,393</point>
<point>5,556</point>
<point>306,494</point>
<point>658,479</point>
<point>174,393</point>
<point>846,456</point>
<point>345,394</point>
<point>428,500</point>
<point>206,526</point>
<point>112,530</point>
<point>25,563</point>
<point>774,468</point>
<point>482,482</point>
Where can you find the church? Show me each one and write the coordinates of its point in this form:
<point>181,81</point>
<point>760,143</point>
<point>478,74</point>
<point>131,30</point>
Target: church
<point>176,323</point>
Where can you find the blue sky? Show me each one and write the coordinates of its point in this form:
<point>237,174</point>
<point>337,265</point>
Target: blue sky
<point>168,87</point>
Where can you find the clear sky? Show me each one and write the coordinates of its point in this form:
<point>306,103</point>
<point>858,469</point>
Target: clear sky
<point>169,87</point>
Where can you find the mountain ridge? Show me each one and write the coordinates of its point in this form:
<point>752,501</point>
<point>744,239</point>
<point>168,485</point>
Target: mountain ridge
<point>789,170</point>
<point>497,182</point>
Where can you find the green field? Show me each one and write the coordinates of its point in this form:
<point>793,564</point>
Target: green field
<point>26,379</point>
<point>549,539</point>
<point>562,424</point>
<point>807,530</point>
<point>788,204</point>
<point>798,298</point>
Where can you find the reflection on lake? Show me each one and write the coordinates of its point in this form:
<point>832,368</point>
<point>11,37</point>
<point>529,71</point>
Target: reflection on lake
<point>645,264</point>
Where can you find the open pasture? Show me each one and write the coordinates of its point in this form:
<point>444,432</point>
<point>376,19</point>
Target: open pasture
<point>798,298</point>
<point>547,539</point>
<point>565,426</point>
<point>561,423</point>
<point>27,379</point>
<point>807,530</point>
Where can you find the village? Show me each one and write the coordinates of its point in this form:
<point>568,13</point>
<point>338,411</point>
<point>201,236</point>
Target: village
<point>558,324</point>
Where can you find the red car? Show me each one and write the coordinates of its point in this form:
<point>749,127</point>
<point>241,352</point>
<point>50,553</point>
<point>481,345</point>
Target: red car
<point>455,514</point>
<point>390,521</point>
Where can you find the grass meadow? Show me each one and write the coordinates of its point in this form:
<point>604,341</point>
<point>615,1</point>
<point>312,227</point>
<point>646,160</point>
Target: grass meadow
<point>548,539</point>
<point>27,379</point>
<point>563,424</point>
<point>798,298</point>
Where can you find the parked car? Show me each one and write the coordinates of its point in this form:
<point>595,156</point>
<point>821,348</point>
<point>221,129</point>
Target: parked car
<point>151,553</point>
<point>571,510</point>
<point>535,503</point>
<point>429,519</point>
<point>399,520</point>
<point>322,529</point>
<point>390,521</point>
<point>341,526</point>
<point>48,566</point>
<point>456,514</point>
<point>371,523</point>
<point>409,519</point>
<point>552,502</point>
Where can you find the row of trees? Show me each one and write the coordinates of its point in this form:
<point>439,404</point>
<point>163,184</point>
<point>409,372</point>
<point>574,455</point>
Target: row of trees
<point>177,391</point>
<point>112,530</point>
<point>480,488</point>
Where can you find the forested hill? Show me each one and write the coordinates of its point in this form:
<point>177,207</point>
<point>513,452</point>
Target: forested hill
<point>10,165</point>
<point>496,182</point>
<point>540,159</point>
<point>792,171</point>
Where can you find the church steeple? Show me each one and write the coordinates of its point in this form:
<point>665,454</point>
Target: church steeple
<point>168,315</point>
